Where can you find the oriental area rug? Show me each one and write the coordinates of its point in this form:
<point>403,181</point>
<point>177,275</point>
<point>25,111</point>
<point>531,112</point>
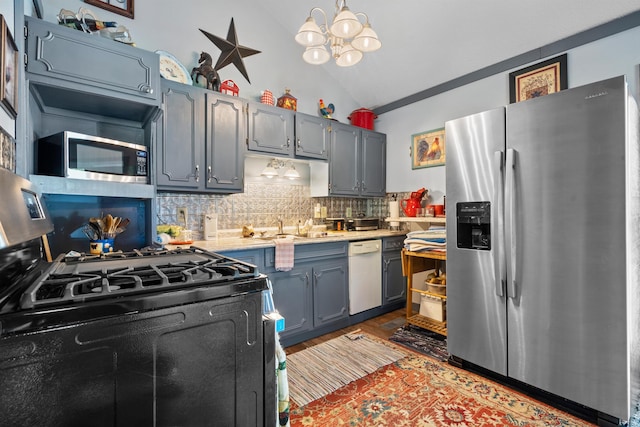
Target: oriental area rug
<point>419,391</point>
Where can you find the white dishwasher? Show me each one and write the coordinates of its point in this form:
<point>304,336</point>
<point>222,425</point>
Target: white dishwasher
<point>365,275</point>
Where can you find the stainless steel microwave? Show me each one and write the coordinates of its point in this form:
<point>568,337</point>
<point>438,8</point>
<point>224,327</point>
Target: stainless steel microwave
<point>75,155</point>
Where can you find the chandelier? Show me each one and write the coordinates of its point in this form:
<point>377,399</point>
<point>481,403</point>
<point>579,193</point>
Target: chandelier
<point>347,37</point>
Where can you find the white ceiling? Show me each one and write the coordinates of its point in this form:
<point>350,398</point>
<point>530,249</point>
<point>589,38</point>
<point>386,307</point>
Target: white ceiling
<point>429,42</point>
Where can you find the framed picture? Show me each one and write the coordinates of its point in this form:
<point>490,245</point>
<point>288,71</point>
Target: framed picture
<point>538,80</point>
<point>9,76</point>
<point>7,151</point>
<point>428,149</point>
<point>121,7</point>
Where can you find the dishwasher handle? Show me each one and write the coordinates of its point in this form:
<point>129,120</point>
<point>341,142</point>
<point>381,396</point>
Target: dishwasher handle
<point>365,247</point>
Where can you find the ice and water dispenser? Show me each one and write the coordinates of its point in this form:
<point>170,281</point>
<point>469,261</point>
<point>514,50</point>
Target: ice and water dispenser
<point>473,222</point>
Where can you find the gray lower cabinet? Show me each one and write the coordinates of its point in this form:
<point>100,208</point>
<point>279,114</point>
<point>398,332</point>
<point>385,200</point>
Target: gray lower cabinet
<point>313,297</point>
<point>293,298</point>
<point>271,130</point>
<point>312,136</point>
<point>65,57</point>
<point>200,141</point>
<point>394,287</point>
<point>357,164</point>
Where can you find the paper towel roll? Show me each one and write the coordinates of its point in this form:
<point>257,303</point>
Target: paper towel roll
<point>394,212</point>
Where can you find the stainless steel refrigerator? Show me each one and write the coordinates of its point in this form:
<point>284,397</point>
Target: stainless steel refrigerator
<point>543,244</point>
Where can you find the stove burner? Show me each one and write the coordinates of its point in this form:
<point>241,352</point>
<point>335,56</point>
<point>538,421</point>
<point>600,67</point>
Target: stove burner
<point>88,277</point>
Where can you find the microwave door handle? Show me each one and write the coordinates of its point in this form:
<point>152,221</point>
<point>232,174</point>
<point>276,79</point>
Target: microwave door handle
<point>513,241</point>
<point>499,268</point>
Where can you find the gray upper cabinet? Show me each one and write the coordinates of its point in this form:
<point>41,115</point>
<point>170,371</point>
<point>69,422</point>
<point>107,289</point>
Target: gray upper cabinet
<point>312,136</point>
<point>271,130</point>
<point>373,171</point>
<point>200,141</point>
<point>226,130</point>
<point>357,165</point>
<point>181,138</point>
<point>285,133</point>
<point>64,57</point>
<point>344,164</point>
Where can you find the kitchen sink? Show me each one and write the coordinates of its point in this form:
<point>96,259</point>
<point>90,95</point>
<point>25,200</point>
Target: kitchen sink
<point>276,236</point>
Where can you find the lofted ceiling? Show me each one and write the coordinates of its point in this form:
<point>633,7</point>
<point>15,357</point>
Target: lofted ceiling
<point>426,43</point>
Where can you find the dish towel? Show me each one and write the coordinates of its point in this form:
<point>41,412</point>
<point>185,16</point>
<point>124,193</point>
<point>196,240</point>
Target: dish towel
<point>284,254</point>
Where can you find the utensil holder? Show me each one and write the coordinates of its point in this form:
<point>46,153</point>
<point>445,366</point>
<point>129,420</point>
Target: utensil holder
<point>100,246</point>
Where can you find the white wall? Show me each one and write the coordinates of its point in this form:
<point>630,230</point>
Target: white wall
<point>609,57</point>
<point>174,26</point>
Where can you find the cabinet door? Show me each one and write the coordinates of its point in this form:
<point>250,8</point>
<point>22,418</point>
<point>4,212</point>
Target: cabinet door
<point>60,53</point>
<point>394,287</point>
<point>179,155</point>
<point>330,292</point>
<point>374,163</point>
<point>225,135</point>
<point>312,136</point>
<point>292,298</point>
<point>270,129</point>
<point>345,160</point>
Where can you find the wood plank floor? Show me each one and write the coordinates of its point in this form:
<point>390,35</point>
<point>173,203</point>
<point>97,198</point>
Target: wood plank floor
<point>377,326</point>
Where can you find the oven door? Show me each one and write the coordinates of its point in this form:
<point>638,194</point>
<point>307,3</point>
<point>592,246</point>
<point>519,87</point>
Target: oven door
<point>191,365</point>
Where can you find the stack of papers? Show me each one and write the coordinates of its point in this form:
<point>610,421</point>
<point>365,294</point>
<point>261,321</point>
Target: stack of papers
<point>434,239</point>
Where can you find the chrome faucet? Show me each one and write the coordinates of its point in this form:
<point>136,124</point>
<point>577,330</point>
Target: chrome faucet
<point>280,227</point>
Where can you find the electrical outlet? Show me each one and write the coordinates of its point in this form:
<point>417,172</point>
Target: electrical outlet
<point>182,215</point>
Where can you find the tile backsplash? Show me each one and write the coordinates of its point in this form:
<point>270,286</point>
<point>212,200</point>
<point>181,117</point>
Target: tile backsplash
<point>261,204</point>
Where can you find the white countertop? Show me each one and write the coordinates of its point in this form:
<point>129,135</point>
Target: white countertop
<point>241,243</point>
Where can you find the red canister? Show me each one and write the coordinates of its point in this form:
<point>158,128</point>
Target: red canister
<point>363,117</point>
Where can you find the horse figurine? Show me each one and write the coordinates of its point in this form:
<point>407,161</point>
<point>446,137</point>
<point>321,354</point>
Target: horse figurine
<point>207,71</point>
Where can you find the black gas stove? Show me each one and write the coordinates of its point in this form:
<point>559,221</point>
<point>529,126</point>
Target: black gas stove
<point>83,278</point>
<point>146,337</point>
<point>82,287</point>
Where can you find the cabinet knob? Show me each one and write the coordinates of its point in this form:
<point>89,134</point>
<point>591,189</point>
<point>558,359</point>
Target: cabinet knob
<point>146,89</point>
<point>288,142</point>
<point>298,143</point>
<point>197,173</point>
<point>209,174</point>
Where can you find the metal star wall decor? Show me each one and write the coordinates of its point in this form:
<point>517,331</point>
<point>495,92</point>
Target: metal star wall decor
<point>232,52</point>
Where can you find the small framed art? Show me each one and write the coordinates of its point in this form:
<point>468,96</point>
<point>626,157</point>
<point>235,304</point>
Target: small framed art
<point>121,7</point>
<point>538,80</point>
<point>428,149</point>
<point>7,151</point>
<point>9,74</point>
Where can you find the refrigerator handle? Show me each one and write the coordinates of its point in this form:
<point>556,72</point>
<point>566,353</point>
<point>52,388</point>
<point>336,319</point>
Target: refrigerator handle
<point>513,241</point>
<point>499,266</point>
